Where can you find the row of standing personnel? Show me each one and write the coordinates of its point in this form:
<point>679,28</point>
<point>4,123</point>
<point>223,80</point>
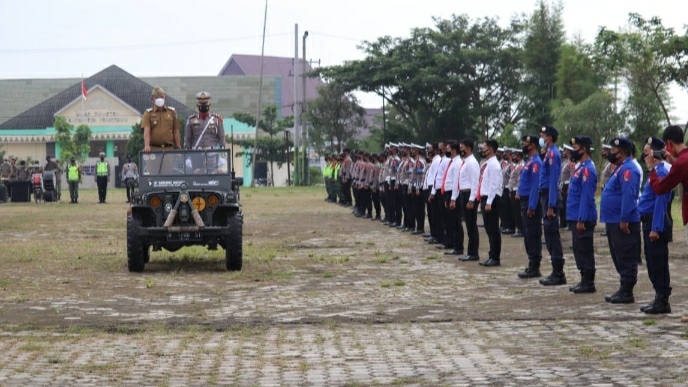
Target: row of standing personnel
<point>524,190</point>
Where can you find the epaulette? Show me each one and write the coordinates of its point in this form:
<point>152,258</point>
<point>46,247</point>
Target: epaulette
<point>149,110</point>
<point>193,116</point>
<point>216,116</point>
<point>171,108</point>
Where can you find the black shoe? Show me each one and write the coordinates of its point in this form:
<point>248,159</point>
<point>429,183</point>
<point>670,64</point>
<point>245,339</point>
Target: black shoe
<point>453,252</point>
<point>624,295</point>
<point>481,225</point>
<point>469,258</point>
<point>530,272</point>
<point>368,217</point>
<point>357,214</point>
<point>556,278</point>
<point>377,218</point>
<point>433,241</point>
<point>507,231</point>
<point>443,247</point>
<point>427,235</point>
<point>417,232</point>
<point>583,287</point>
<point>490,262</point>
<point>660,305</point>
<point>517,234</point>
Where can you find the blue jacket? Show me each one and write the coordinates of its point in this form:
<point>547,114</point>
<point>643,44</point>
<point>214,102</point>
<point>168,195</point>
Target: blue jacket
<point>549,178</point>
<point>620,196</point>
<point>529,182</point>
<point>581,205</point>
<point>651,203</point>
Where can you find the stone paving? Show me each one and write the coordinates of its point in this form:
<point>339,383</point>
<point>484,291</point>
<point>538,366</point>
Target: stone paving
<point>381,309</point>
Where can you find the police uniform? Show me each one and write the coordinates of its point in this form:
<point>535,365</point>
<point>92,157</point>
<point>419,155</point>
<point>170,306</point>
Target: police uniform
<point>163,124</point>
<point>346,171</point>
<point>550,198</point>
<point>506,214</point>
<point>567,168</point>
<point>582,207</point>
<point>652,209</point>
<point>417,193</point>
<point>204,129</point>
<point>102,177</point>
<point>619,204</point>
<point>129,172</point>
<point>74,179</point>
<point>529,195</point>
<point>375,186</point>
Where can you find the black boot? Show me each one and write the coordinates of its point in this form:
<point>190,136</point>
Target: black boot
<point>615,294</point>
<point>587,284</point>
<point>624,295</point>
<point>532,271</point>
<point>660,305</point>
<point>557,277</point>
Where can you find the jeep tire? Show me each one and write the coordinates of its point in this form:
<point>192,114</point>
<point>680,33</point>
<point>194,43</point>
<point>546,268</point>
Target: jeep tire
<point>135,246</point>
<point>233,252</point>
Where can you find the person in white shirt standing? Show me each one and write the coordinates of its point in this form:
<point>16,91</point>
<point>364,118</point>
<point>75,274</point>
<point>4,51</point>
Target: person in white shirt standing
<point>435,197</point>
<point>468,190</point>
<point>489,192</point>
<point>432,153</point>
<point>450,192</point>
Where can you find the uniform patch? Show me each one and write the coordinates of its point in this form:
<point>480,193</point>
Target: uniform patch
<point>535,168</point>
<point>627,175</point>
<point>551,157</point>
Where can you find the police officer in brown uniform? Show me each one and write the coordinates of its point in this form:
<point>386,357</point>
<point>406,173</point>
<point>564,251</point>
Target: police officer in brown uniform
<point>205,129</point>
<point>160,125</point>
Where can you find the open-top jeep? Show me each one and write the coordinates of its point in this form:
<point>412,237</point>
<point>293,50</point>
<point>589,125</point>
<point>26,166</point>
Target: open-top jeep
<point>185,198</point>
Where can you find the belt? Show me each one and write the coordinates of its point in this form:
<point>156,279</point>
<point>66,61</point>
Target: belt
<point>101,175</point>
<point>163,145</point>
<point>646,217</point>
<point>465,190</point>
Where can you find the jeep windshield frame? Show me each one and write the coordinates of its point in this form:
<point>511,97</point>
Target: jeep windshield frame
<point>185,163</point>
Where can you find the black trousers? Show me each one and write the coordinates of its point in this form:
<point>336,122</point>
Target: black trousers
<point>392,201</point>
<point>375,196</point>
<point>532,231</point>
<point>506,212</point>
<point>428,208</point>
<point>405,207</point>
<point>564,198</point>
<point>491,222</point>
<point>670,230</point>
<point>130,189</point>
<point>366,200</point>
<point>437,217</point>
<point>398,203</point>
<point>454,233</point>
<point>356,200</point>
<point>471,219</point>
<point>657,256</point>
<point>624,250</point>
<point>346,191</point>
<point>583,250</point>
<point>102,182</point>
<point>550,226</point>
<point>516,211</point>
<point>419,199</point>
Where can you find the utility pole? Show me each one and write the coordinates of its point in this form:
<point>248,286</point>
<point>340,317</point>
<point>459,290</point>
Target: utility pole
<point>297,113</point>
<point>384,122</point>
<point>306,169</point>
<point>260,99</point>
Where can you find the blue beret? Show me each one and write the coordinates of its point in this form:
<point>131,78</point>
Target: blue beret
<point>582,141</point>
<point>622,143</point>
<point>531,138</point>
<point>655,143</point>
<point>550,131</point>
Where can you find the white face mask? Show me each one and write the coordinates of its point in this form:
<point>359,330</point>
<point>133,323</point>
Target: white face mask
<point>542,142</point>
<point>160,102</point>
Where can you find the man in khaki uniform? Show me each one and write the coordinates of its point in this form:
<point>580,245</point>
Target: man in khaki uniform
<point>204,130</point>
<point>160,125</point>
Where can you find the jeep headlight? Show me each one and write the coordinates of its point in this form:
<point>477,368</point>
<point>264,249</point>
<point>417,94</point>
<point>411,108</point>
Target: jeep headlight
<point>184,198</point>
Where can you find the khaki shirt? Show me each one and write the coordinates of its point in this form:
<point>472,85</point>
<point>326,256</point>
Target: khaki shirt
<point>162,123</point>
<point>213,137</point>
<point>5,170</point>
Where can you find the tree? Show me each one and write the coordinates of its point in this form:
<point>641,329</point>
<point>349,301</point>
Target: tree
<point>644,115</point>
<point>335,116</point>
<point>576,78</point>
<point>269,148</point>
<point>75,144</point>
<point>541,53</point>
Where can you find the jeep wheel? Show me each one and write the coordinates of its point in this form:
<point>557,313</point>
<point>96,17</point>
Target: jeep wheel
<point>135,246</point>
<point>146,253</point>
<point>233,253</point>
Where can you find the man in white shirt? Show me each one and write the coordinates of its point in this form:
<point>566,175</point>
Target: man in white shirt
<point>490,191</point>
<point>428,184</point>
<point>450,192</point>
<point>468,190</point>
<point>435,198</point>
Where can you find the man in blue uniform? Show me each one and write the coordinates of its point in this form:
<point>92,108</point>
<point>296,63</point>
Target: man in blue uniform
<point>581,212</point>
<point>619,213</point>
<point>531,211</point>
<point>550,200</point>
<point>656,225</point>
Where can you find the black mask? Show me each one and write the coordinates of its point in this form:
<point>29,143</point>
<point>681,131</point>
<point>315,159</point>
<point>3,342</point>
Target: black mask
<point>462,153</point>
<point>613,157</point>
<point>575,156</point>
<point>204,108</point>
<point>102,158</point>
<point>481,153</point>
<point>525,149</point>
<point>448,154</point>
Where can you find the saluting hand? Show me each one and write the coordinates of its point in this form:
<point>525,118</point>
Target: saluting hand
<point>624,228</point>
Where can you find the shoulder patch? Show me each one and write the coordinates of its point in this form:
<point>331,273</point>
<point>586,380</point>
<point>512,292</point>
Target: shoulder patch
<point>535,168</point>
<point>149,110</point>
<point>171,108</point>
<point>193,116</point>
<point>627,175</point>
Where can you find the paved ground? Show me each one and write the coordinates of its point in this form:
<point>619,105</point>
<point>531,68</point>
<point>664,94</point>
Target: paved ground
<point>327,299</point>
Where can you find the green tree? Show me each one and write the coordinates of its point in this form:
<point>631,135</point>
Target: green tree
<point>576,77</point>
<point>541,53</point>
<point>644,115</point>
<point>335,116</point>
<point>72,143</point>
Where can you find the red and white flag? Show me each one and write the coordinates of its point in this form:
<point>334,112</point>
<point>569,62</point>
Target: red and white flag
<point>84,92</point>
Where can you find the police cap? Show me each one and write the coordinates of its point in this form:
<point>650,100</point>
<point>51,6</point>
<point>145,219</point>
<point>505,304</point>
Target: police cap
<point>582,141</point>
<point>203,96</point>
<point>531,138</point>
<point>550,130</point>
<point>622,143</point>
<point>158,92</point>
<point>655,143</point>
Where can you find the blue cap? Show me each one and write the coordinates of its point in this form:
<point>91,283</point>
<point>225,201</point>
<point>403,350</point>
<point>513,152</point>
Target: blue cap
<point>621,142</point>
<point>550,130</point>
<point>531,138</point>
<point>582,141</point>
<point>655,143</point>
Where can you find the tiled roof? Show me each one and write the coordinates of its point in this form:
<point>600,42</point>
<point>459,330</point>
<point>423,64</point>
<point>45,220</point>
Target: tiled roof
<point>274,66</point>
<point>125,86</point>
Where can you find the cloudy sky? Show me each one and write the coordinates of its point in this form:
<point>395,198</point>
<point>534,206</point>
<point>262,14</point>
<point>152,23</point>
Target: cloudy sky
<point>63,39</point>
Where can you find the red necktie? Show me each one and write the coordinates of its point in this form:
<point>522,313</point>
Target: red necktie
<point>444,178</point>
<point>480,183</point>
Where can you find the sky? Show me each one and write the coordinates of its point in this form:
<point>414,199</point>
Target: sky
<point>68,38</point>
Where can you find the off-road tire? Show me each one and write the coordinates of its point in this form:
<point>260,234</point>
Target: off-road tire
<point>233,245</point>
<point>146,253</point>
<point>135,247</point>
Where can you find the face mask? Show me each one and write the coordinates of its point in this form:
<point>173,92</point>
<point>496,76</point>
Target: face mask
<point>447,154</point>
<point>613,157</point>
<point>575,156</point>
<point>525,149</point>
<point>542,142</point>
<point>204,108</point>
<point>160,102</point>
<point>462,153</point>
<point>102,158</point>
<point>481,153</point>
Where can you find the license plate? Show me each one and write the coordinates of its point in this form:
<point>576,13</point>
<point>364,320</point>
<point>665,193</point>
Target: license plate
<point>184,236</point>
